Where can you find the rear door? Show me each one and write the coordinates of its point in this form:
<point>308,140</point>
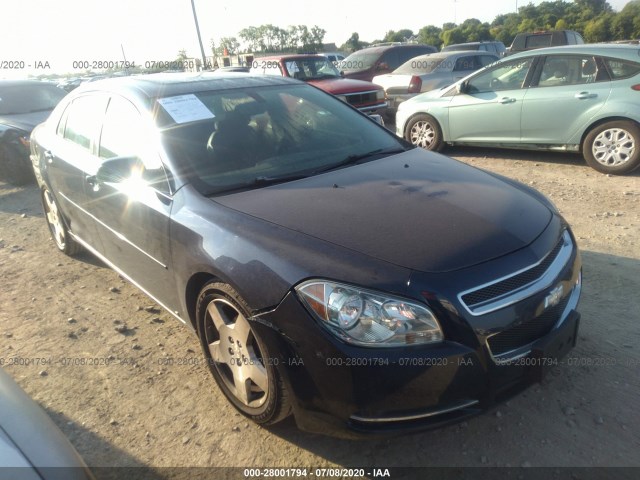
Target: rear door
<point>69,159</point>
<point>566,93</point>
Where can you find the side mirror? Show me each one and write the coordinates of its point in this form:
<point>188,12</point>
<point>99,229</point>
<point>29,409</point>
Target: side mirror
<point>462,87</point>
<point>118,169</point>
<point>342,73</point>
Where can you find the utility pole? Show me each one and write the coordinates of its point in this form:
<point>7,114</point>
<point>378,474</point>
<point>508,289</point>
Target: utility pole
<point>195,19</point>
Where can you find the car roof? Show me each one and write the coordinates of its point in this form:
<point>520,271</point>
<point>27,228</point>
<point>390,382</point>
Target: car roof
<point>170,84</point>
<point>290,56</point>
<point>384,48</point>
<point>631,52</point>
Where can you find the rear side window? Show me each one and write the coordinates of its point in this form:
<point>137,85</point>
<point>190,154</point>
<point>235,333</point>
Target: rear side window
<point>620,69</point>
<point>538,41</point>
<point>466,63</point>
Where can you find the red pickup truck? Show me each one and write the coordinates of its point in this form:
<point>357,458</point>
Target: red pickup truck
<point>320,72</point>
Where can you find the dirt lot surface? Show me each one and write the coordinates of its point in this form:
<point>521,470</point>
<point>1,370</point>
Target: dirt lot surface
<point>136,409</point>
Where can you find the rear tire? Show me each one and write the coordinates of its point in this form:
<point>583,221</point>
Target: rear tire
<point>57,226</point>
<point>613,147</point>
<point>424,131</point>
<point>239,360</point>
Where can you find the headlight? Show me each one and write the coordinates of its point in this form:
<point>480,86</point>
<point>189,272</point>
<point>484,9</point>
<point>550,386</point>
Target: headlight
<point>342,97</point>
<point>380,95</point>
<point>367,318</point>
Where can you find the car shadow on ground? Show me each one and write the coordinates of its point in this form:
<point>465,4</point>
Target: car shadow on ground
<point>105,461</point>
<point>585,397</point>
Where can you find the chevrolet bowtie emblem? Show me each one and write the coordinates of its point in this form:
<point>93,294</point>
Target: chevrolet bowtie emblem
<point>554,297</point>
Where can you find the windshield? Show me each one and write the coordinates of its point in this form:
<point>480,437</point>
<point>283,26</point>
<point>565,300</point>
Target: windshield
<point>245,138</point>
<point>311,68</point>
<point>17,99</point>
<point>422,64</point>
<point>358,61</point>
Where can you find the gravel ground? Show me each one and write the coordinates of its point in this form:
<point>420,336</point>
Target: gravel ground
<point>150,402</point>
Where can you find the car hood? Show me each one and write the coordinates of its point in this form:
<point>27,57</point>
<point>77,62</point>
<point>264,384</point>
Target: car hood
<point>25,121</point>
<point>341,85</point>
<point>418,210</point>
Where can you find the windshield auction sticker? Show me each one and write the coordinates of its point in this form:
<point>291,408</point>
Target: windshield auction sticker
<point>185,108</point>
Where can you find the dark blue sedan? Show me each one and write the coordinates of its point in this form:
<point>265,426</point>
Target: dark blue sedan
<point>330,269</point>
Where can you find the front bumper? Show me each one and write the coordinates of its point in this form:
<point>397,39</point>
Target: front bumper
<point>344,390</point>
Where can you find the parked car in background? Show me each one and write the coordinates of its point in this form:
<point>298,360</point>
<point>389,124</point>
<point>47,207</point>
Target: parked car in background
<point>582,98</point>
<point>232,69</point>
<point>32,447</point>
<point>320,72</point>
<point>429,72</point>
<point>494,47</point>
<point>334,57</point>
<point>552,38</point>
<point>377,60</point>
<point>331,270</point>
<point>23,105</point>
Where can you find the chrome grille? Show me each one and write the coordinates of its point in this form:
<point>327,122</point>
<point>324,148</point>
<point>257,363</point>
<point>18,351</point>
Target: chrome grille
<point>517,286</point>
<point>359,99</point>
<point>527,332</point>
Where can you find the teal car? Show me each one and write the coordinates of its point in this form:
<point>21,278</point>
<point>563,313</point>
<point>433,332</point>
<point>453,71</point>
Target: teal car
<point>579,98</point>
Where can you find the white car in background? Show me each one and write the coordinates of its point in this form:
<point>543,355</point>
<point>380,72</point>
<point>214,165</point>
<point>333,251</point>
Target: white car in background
<point>430,72</point>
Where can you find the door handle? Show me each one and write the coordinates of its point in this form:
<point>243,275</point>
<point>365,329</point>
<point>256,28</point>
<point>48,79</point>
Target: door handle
<point>504,100</point>
<point>48,156</point>
<point>585,95</point>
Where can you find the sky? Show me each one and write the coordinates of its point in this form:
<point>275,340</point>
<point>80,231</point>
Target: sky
<point>57,34</point>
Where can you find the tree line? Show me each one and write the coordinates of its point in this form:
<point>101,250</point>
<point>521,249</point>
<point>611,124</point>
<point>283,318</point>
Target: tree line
<point>594,19</point>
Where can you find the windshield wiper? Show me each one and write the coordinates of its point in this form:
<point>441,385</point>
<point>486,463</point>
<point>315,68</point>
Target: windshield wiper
<point>354,159</point>
<point>257,182</point>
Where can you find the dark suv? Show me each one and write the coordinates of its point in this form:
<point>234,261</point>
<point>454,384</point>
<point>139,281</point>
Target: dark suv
<point>552,38</point>
<point>380,59</point>
<point>497,48</point>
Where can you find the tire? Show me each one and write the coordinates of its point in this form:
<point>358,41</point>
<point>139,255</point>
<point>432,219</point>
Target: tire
<point>57,226</point>
<point>237,356</point>
<point>424,131</point>
<point>14,168</point>
<point>613,147</point>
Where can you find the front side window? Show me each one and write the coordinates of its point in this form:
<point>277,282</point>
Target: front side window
<point>125,135</point>
<point>505,76</point>
<point>83,119</point>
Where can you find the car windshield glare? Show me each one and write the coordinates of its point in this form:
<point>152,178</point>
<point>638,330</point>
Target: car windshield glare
<point>29,98</point>
<point>245,138</point>
<point>311,68</point>
<point>359,61</point>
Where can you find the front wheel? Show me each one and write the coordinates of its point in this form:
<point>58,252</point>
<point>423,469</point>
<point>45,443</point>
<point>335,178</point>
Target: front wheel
<point>57,226</point>
<point>613,147</point>
<point>238,358</point>
<point>424,131</point>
